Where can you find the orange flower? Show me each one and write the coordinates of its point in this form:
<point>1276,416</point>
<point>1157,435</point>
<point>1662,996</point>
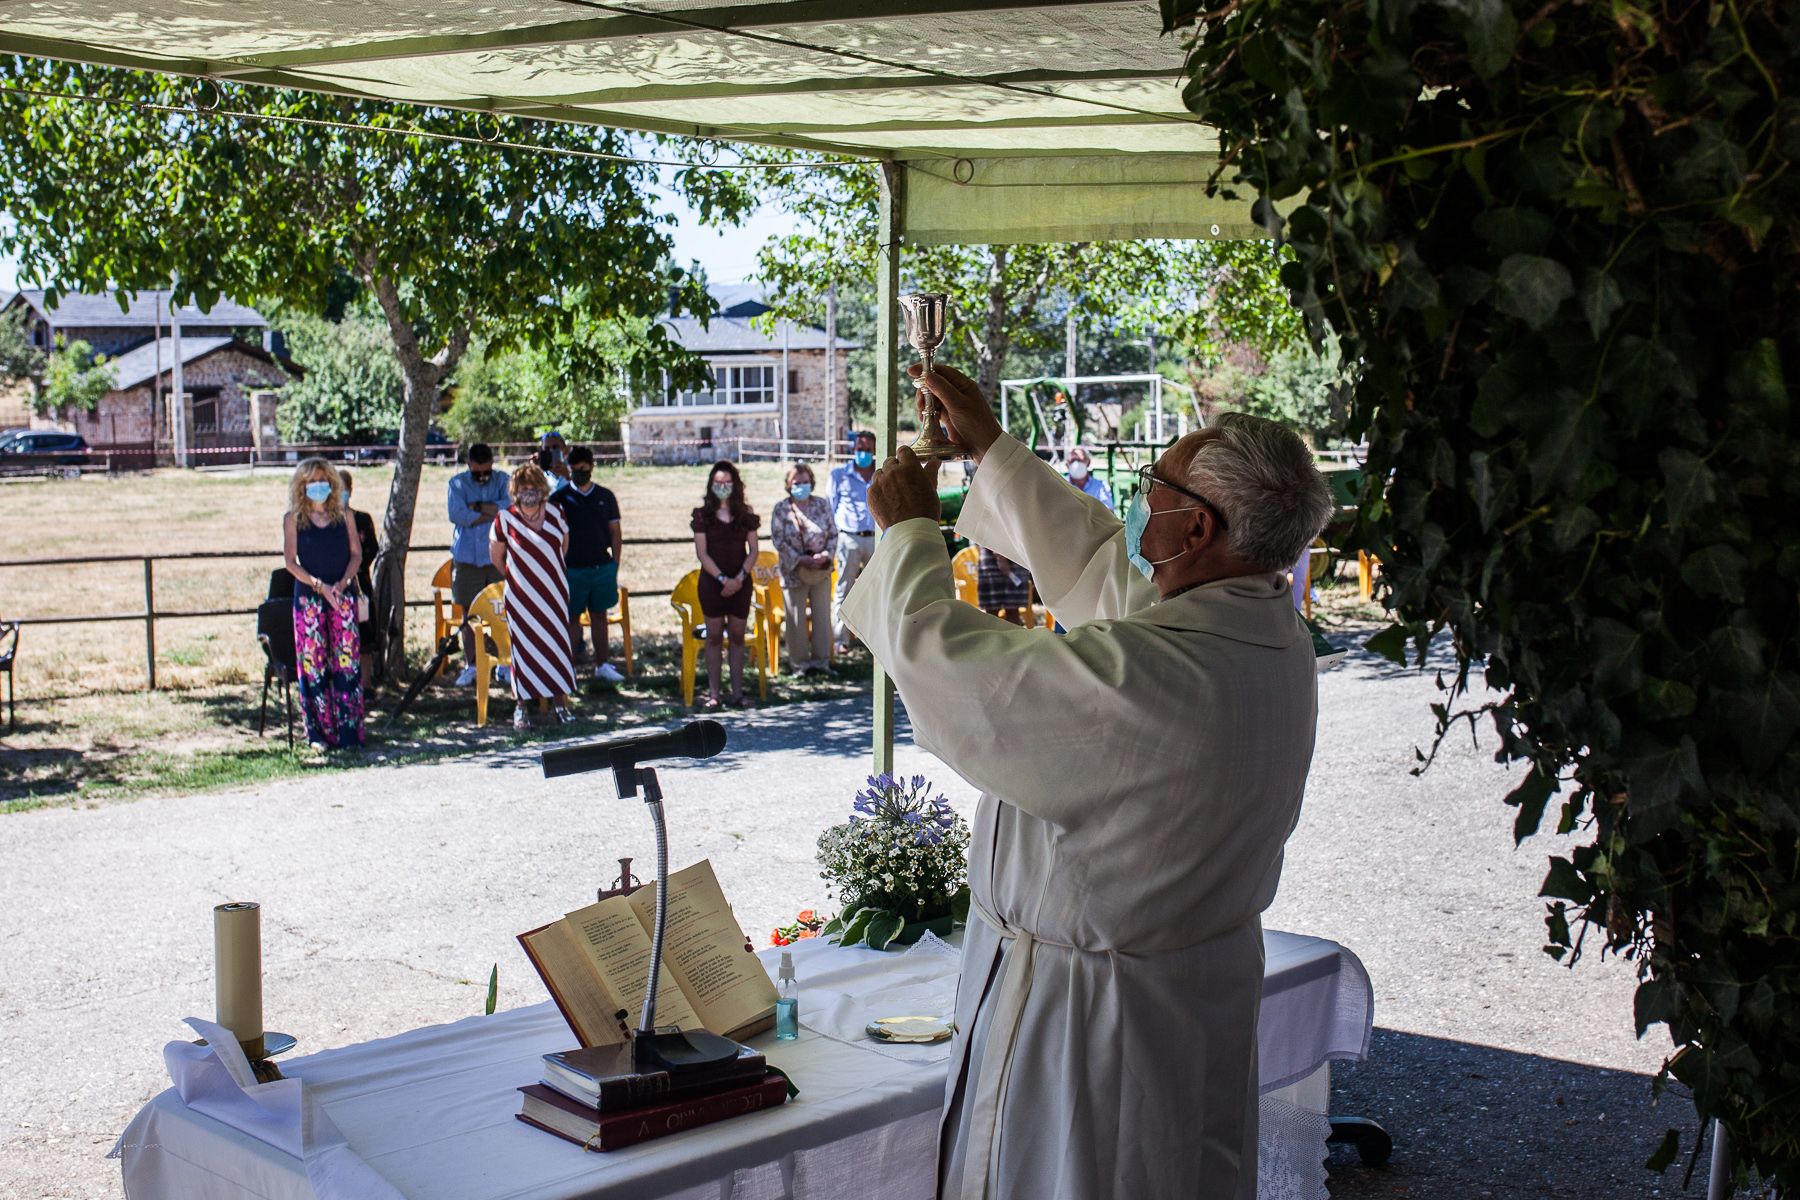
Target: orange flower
<point>775,938</point>
<point>804,916</point>
<point>807,933</point>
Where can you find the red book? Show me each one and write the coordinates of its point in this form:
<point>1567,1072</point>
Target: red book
<point>555,1113</point>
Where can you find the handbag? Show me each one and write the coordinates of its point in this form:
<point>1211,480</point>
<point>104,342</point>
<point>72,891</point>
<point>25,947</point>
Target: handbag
<point>362,607</point>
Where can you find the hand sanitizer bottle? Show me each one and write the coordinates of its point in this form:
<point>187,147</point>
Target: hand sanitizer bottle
<point>787,1001</point>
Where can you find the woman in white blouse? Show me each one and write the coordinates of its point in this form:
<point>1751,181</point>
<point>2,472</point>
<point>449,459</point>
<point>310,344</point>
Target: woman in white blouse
<point>805,539</point>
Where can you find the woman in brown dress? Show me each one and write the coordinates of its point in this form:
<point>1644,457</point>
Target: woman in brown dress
<point>725,542</point>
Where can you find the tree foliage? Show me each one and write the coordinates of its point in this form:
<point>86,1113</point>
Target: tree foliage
<point>19,359</point>
<point>352,392</point>
<point>454,241</point>
<point>1304,387</point>
<point>1559,239</point>
<point>75,378</point>
<point>1000,295</point>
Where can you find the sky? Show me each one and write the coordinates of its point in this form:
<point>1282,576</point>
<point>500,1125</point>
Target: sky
<point>729,255</point>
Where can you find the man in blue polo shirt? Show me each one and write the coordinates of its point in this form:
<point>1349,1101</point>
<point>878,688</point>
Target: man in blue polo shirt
<point>856,528</point>
<point>593,560</point>
<point>476,496</point>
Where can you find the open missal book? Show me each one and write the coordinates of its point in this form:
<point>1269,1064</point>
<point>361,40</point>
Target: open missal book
<point>596,960</point>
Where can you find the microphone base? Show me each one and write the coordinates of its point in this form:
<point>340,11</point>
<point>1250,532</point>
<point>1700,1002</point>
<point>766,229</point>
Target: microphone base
<point>681,1053</point>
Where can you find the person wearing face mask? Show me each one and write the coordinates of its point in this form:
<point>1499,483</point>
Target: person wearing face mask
<point>1140,777</point>
<point>856,527</point>
<point>725,542</point>
<point>369,631</point>
<point>323,554</point>
<point>553,457</point>
<point>805,538</point>
<point>528,542</point>
<point>476,497</point>
<point>1081,474</point>
<point>592,513</point>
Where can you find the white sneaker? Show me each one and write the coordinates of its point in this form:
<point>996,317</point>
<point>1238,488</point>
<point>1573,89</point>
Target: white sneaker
<point>466,677</point>
<point>521,722</point>
<point>607,673</point>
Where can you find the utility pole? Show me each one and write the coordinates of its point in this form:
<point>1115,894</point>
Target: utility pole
<point>178,407</point>
<point>831,434</point>
<point>156,402</point>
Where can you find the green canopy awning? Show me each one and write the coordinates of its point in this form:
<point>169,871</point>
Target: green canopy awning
<point>1015,122</point>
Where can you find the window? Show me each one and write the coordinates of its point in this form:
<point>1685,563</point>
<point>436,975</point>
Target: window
<point>206,414</point>
<point>738,385</point>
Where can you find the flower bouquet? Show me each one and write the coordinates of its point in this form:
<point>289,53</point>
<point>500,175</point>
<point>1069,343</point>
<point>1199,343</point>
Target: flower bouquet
<point>900,864</point>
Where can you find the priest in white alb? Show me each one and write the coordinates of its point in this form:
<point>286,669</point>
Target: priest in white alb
<point>1139,778</point>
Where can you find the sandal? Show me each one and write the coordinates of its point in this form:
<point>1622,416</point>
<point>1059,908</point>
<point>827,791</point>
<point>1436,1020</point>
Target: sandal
<point>565,716</point>
<point>739,701</point>
<point>707,703</point>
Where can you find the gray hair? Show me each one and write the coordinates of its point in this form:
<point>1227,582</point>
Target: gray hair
<point>1261,476</point>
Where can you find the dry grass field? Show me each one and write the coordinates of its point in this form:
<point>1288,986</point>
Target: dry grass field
<point>88,725</point>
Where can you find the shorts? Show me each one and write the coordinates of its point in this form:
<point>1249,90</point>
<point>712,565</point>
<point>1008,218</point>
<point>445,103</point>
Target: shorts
<point>469,580</point>
<point>593,589</point>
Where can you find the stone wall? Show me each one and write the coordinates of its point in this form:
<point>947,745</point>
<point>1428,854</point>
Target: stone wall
<point>126,418</point>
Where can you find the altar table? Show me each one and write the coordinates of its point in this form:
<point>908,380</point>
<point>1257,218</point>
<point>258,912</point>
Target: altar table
<point>432,1110</point>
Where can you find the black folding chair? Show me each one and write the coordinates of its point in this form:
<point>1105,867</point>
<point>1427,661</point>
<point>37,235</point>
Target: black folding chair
<point>275,632</point>
<point>9,652</point>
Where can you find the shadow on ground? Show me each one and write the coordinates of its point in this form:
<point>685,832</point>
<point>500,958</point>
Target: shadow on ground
<point>1477,1123</point>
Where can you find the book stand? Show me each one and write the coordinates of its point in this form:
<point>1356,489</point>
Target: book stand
<point>671,1050</point>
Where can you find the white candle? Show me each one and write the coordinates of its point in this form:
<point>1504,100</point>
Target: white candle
<point>237,951</point>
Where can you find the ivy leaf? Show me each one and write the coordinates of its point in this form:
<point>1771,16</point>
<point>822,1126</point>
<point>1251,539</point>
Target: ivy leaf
<point>883,928</point>
<point>1617,656</point>
<point>1600,299</point>
<point>1563,456</point>
<point>1514,230</point>
<point>1532,288</point>
<point>1665,1153</point>
<point>1665,699</point>
<point>1532,794</point>
<point>1564,882</point>
<point>1763,721</point>
<point>1688,483</point>
<point>1390,643</point>
<point>1716,570</point>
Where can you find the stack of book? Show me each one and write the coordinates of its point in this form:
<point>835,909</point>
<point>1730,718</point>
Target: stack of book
<point>595,1098</point>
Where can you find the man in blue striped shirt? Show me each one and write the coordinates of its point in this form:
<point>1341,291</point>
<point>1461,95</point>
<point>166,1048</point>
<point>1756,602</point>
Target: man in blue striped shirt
<point>475,498</point>
<point>856,528</point>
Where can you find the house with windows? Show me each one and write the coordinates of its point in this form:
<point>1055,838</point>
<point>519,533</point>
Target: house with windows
<point>232,373</point>
<point>770,396</point>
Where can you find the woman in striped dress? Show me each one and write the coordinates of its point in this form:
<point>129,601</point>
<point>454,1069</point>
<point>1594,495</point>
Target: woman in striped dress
<point>529,542</point>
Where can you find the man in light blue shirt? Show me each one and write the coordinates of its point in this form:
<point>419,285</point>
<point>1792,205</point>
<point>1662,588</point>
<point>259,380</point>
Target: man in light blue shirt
<point>1081,474</point>
<point>856,527</point>
<point>475,498</point>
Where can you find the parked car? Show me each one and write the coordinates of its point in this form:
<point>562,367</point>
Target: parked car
<point>45,450</point>
<point>438,448</point>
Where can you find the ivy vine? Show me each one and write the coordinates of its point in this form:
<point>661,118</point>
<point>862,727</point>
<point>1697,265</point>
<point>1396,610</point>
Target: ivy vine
<point>1559,239</point>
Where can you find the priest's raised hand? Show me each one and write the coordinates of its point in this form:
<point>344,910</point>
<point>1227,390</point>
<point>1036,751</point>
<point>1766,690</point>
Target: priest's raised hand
<point>904,488</point>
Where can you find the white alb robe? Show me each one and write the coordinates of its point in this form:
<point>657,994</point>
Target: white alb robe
<point>1139,778</point>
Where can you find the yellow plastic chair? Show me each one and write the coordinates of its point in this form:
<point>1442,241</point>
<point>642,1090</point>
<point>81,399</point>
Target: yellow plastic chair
<point>1366,568</point>
<point>963,569</point>
<point>965,566</point>
<point>685,600</point>
<point>446,613</point>
<point>489,621</point>
<point>772,606</point>
<point>619,615</point>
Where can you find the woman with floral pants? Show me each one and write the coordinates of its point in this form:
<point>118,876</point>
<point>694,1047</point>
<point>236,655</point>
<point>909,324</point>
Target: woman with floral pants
<point>323,555</point>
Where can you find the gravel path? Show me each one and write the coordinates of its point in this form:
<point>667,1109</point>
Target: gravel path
<point>389,894</point>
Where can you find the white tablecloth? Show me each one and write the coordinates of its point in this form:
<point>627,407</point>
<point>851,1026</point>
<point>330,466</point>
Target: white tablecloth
<point>432,1111</point>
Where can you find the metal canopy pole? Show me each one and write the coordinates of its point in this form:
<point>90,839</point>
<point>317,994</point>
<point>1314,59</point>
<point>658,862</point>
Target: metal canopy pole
<point>887,408</point>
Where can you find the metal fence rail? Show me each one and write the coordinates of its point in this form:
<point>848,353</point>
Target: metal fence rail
<point>150,614</point>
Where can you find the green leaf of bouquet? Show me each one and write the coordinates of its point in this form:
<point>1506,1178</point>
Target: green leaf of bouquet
<point>883,928</point>
<point>858,927</point>
<point>959,905</point>
<point>493,995</point>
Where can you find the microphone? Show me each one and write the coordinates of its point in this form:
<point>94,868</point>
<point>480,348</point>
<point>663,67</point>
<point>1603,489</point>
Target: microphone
<point>696,739</point>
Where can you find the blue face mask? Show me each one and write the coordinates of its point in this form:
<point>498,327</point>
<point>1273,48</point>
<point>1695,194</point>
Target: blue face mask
<point>802,490</point>
<point>865,458</point>
<point>722,490</point>
<point>1135,521</point>
<point>318,492</point>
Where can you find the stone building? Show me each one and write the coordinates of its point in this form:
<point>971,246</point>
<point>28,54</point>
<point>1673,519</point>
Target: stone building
<point>769,396</point>
<point>231,373</point>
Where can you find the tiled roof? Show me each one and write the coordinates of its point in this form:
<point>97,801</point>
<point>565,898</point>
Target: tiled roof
<point>736,334</point>
<point>138,366</point>
<point>88,309</point>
